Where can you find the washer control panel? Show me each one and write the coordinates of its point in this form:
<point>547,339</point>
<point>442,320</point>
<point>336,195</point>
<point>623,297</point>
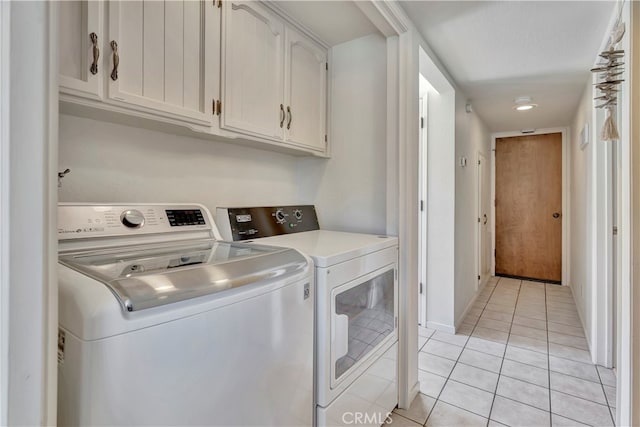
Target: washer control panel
<point>255,222</point>
<point>83,221</point>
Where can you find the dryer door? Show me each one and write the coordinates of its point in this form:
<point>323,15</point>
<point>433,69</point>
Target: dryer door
<point>362,320</point>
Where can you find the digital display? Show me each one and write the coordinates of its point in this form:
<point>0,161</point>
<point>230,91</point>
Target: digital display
<point>182,217</point>
<point>243,218</point>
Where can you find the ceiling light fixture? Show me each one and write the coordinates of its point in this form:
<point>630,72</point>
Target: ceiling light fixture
<point>524,103</point>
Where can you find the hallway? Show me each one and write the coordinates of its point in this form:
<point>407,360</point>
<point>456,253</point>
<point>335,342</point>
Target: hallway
<point>519,359</point>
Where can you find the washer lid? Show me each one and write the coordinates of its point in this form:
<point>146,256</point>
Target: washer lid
<point>151,275</point>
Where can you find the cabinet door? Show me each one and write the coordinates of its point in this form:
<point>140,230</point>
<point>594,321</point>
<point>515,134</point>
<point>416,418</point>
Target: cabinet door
<point>305,91</point>
<point>156,57</point>
<point>80,24</point>
<point>213,22</point>
<point>252,64</point>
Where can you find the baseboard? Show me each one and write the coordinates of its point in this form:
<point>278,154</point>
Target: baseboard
<point>441,327</point>
<point>470,305</point>
<point>587,333</point>
<point>412,394</point>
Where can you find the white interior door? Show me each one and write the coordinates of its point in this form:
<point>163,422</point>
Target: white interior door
<point>305,91</point>
<point>422,214</point>
<point>252,70</point>
<point>484,240</point>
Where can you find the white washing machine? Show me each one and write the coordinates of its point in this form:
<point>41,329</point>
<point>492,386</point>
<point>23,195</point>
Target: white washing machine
<point>356,308</point>
<point>161,323</point>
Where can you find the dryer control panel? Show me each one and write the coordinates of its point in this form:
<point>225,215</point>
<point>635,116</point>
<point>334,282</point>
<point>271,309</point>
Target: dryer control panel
<point>254,222</point>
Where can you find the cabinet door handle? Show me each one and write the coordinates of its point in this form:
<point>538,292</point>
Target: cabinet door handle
<point>290,117</point>
<point>116,60</point>
<point>282,116</point>
<point>96,53</point>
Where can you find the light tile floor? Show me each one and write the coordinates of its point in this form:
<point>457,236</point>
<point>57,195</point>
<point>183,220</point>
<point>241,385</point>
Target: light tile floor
<point>519,359</point>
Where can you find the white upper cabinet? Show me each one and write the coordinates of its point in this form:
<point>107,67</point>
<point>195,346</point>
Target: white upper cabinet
<point>252,70</point>
<point>274,78</point>
<point>81,41</point>
<point>305,91</point>
<point>156,58</point>
<point>238,69</point>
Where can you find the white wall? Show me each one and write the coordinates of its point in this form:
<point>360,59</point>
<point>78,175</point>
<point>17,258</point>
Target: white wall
<point>115,163</point>
<point>451,199</point>
<point>441,195</point>
<point>580,183</point>
<point>349,190</point>
<point>472,136</point>
<point>29,199</point>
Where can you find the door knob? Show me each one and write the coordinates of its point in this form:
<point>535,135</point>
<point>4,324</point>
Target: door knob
<point>556,215</point>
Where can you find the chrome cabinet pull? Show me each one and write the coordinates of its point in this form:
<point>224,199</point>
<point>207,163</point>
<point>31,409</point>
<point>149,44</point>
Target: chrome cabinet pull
<point>282,116</point>
<point>290,117</point>
<point>96,53</point>
<point>116,60</point>
<point>485,219</point>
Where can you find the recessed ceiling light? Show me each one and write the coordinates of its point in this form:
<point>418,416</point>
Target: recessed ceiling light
<point>524,107</point>
<point>524,103</point>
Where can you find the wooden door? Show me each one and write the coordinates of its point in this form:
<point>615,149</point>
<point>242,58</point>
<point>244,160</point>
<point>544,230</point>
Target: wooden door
<point>529,207</point>
<point>305,91</point>
<point>160,58</point>
<point>252,70</point>
<point>80,25</point>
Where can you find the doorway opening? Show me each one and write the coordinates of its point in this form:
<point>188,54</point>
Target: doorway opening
<point>435,196</point>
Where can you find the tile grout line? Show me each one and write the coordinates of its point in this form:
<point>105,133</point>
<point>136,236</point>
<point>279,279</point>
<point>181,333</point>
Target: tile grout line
<point>475,325</point>
<point>505,352</point>
<point>447,378</point>
<point>473,330</point>
<point>514,378</point>
<point>456,363</point>
<point>605,396</point>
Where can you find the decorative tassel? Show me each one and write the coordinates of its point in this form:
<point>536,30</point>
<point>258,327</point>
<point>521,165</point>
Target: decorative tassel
<point>609,128</point>
<point>609,73</point>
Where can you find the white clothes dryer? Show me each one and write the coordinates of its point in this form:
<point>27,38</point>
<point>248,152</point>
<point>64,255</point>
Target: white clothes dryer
<point>356,307</point>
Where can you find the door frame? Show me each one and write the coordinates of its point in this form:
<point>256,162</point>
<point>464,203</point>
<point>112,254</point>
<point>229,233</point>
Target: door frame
<point>5,29</point>
<point>565,195</point>
<point>423,230</point>
<point>28,206</point>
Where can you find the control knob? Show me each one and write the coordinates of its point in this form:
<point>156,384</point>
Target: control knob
<point>297,214</point>
<point>280,216</point>
<point>132,218</point>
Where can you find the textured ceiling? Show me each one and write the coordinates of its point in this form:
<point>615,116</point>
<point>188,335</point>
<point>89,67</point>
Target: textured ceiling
<point>497,51</point>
